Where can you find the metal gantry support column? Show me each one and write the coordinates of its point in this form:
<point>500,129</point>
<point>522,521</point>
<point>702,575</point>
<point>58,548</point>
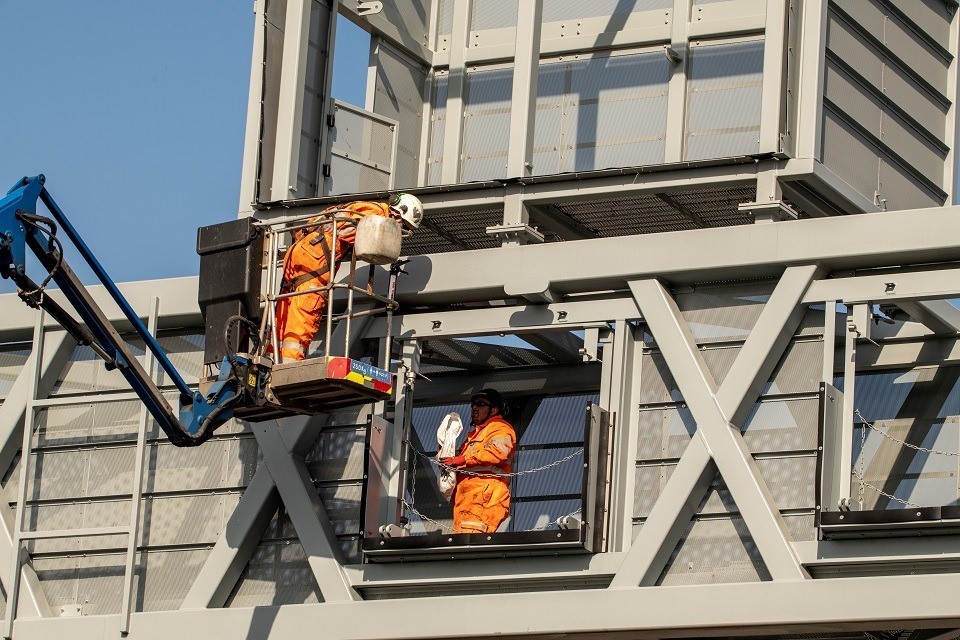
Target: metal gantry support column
<point>13,582</point>
<point>150,365</point>
<point>858,326</point>
<point>677,88</point>
<point>456,90</point>
<point>525,76</point>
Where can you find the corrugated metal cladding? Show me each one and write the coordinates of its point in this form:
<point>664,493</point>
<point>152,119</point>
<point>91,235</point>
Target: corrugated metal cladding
<point>399,95</point>
<point>501,14</point>
<point>80,474</point>
<point>782,427</point>
<point>361,153</point>
<point>725,87</point>
<point>549,429</point>
<point>308,168</point>
<point>886,100</point>
<point>601,112</point>
<point>919,406</point>
<point>659,212</point>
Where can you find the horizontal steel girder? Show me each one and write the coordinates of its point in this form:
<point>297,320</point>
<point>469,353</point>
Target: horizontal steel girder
<point>750,251</point>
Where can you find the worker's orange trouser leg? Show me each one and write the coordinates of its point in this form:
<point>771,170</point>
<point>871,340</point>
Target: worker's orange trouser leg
<point>298,320</point>
<point>480,505</point>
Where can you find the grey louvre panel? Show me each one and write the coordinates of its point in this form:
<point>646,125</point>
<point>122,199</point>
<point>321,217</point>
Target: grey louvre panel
<point>782,425</point>
<point>724,94</point>
<point>445,17</point>
<point>649,482</point>
<point>438,111</point>
<point>664,433</point>
<point>278,573</point>
<point>902,190</point>
<point>723,313</point>
<point>493,14</point>
<point>602,112</point>
<point>902,44</point>
<point>398,95</point>
<point>338,454</point>
<point>556,10</point>
<point>850,155</point>
<point>312,123</point>
<point>361,151</point>
<point>933,17</point>
<point>12,360</point>
<point>912,477</point>
<point>715,550</point>
<point>85,372</point>
<point>486,124</point>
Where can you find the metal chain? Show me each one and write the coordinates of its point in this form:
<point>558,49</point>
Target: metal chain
<point>863,457</point>
<point>443,527</point>
<point>487,474</point>
<point>901,442</point>
<point>864,483</point>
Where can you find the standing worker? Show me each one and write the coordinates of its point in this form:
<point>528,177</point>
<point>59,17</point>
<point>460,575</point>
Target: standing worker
<point>482,499</point>
<point>306,267</point>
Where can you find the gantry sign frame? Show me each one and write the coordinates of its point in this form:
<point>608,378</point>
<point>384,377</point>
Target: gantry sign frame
<point>816,262</point>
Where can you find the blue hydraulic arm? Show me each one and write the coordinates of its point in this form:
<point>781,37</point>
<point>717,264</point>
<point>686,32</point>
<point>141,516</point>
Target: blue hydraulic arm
<point>21,227</point>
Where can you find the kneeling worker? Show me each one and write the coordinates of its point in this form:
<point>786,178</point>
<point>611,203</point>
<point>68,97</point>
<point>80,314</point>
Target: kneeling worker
<point>482,499</point>
<point>306,267</point>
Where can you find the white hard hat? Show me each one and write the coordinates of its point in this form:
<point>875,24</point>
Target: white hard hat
<point>410,209</point>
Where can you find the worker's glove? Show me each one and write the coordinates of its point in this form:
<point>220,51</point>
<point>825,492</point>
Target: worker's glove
<point>455,461</point>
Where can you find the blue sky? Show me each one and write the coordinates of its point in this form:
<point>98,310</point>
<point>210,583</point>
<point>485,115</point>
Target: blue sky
<point>136,111</point>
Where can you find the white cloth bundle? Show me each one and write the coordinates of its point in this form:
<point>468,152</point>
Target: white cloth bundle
<point>450,429</point>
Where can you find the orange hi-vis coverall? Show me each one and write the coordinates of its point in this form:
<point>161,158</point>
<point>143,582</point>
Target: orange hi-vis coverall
<point>305,267</point>
<point>481,503</point>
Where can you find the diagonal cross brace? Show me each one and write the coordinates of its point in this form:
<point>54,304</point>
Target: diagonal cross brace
<point>718,443</point>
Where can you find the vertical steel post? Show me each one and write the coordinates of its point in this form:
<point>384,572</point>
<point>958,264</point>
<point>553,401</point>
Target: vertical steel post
<point>293,73</point>
<point>525,77</point>
<point>857,327</point>
<point>456,89</point>
<point>137,494</point>
<point>829,340</point>
<point>774,72</point>
<point>29,419</point>
<point>677,87</point>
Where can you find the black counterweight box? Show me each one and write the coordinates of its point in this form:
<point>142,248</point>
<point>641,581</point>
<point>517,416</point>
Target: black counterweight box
<point>231,269</point>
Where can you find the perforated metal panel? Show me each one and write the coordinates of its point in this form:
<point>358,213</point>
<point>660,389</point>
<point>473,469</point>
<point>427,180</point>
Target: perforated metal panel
<point>361,151</point>
<point>399,95</point>
<point>278,573</point>
<point>445,17</point>
<point>556,10</point>
<point>12,359</point>
<point>664,433</point>
<point>723,313</point>
<point>84,372</point>
<point>493,14</point>
<point>724,100</point>
<point>338,455</point>
<point>782,425</point>
<point>716,550</point>
<point>486,123</point>
<point>601,112</point>
<point>438,112</point>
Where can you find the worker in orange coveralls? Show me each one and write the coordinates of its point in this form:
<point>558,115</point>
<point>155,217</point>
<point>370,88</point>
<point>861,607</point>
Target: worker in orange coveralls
<point>482,499</point>
<point>305,267</point>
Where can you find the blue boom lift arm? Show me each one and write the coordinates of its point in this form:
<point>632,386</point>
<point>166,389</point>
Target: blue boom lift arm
<point>240,380</point>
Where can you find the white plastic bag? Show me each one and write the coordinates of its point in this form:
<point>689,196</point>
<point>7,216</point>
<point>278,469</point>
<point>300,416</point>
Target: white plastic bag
<point>450,428</point>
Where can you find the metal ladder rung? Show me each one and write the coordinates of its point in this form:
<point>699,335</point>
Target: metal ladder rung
<point>73,533</point>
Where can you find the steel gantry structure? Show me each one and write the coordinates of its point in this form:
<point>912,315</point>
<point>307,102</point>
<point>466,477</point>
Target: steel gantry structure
<point>641,206</point>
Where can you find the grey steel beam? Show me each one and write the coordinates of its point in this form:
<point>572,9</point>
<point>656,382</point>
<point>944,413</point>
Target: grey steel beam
<point>249,174</point>
<point>570,378</point>
<point>939,315</point>
<point>774,76</point>
<point>526,64</point>
<point>293,73</point>
<point>677,85</point>
<point>309,517</point>
<point>750,251</point>
<point>395,25</point>
<point>810,65</point>
<point>241,536</point>
<point>894,288</point>
<point>562,346</point>
<point>773,608</point>
<point>456,90</point>
<point>553,219</point>
<point>718,413</point>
